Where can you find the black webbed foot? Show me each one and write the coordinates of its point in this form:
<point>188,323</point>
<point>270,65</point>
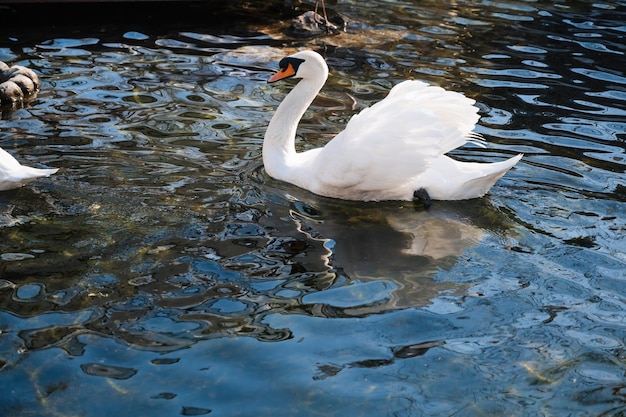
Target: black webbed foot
<point>421,196</point>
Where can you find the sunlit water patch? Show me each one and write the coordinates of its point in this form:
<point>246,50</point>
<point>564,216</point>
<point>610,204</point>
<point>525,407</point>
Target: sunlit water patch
<point>162,271</point>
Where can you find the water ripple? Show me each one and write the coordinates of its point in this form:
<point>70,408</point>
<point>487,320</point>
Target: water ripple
<point>162,254</point>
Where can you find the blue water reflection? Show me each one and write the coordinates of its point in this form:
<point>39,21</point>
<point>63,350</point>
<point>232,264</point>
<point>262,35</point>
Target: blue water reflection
<point>162,272</point>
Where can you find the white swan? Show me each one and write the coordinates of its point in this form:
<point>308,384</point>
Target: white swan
<point>14,175</point>
<point>394,150</point>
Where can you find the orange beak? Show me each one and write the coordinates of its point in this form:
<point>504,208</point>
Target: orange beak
<point>287,72</point>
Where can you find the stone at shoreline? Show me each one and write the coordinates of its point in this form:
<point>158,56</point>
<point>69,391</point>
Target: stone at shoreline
<point>18,85</point>
<point>310,24</point>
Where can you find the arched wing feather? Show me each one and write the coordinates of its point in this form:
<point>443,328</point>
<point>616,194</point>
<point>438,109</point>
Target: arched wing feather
<point>421,120</point>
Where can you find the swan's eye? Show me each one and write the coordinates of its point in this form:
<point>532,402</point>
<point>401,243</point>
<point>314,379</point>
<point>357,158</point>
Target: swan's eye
<point>290,64</point>
<point>283,64</point>
<point>288,67</point>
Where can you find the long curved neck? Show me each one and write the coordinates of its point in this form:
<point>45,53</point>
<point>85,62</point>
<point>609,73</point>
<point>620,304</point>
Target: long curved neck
<point>280,136</point>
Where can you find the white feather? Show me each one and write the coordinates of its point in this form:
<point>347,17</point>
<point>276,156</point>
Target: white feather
<point>387,151</point>
<point>14,175</point>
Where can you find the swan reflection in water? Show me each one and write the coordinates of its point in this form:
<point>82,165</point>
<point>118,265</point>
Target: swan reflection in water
<point>391,242</point>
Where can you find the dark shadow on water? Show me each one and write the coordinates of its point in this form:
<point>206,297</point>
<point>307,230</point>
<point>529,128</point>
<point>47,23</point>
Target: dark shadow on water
<point>148,13</point>
<point>159,278</point>
<point>40,21</point>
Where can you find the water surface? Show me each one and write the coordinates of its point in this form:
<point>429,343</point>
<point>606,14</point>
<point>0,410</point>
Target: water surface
<point>162,271</point>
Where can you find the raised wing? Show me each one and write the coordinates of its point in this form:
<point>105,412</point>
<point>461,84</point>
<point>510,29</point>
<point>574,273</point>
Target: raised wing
<point>395,140</point>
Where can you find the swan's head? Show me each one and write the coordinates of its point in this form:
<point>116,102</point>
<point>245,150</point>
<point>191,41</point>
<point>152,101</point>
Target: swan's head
<point>305,64</point>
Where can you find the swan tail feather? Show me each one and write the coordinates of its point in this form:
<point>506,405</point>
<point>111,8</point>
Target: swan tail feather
<point>480,185</point>
<point>23,176</point>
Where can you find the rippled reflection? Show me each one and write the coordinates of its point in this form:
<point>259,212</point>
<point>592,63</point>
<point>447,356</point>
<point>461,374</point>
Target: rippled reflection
<point>161,271</point>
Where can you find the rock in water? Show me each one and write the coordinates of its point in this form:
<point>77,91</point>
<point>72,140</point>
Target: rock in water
<point>313,24</point>
<point>18,84</point>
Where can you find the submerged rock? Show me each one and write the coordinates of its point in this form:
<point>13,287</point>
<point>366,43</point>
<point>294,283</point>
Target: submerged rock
<point>18,84</point>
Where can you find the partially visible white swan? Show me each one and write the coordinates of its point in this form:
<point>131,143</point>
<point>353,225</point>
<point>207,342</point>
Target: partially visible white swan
<point>14,175</point>
<point>394,150</point>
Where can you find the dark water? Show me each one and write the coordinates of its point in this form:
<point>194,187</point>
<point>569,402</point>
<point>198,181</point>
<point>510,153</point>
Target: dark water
<point>161,272</point>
